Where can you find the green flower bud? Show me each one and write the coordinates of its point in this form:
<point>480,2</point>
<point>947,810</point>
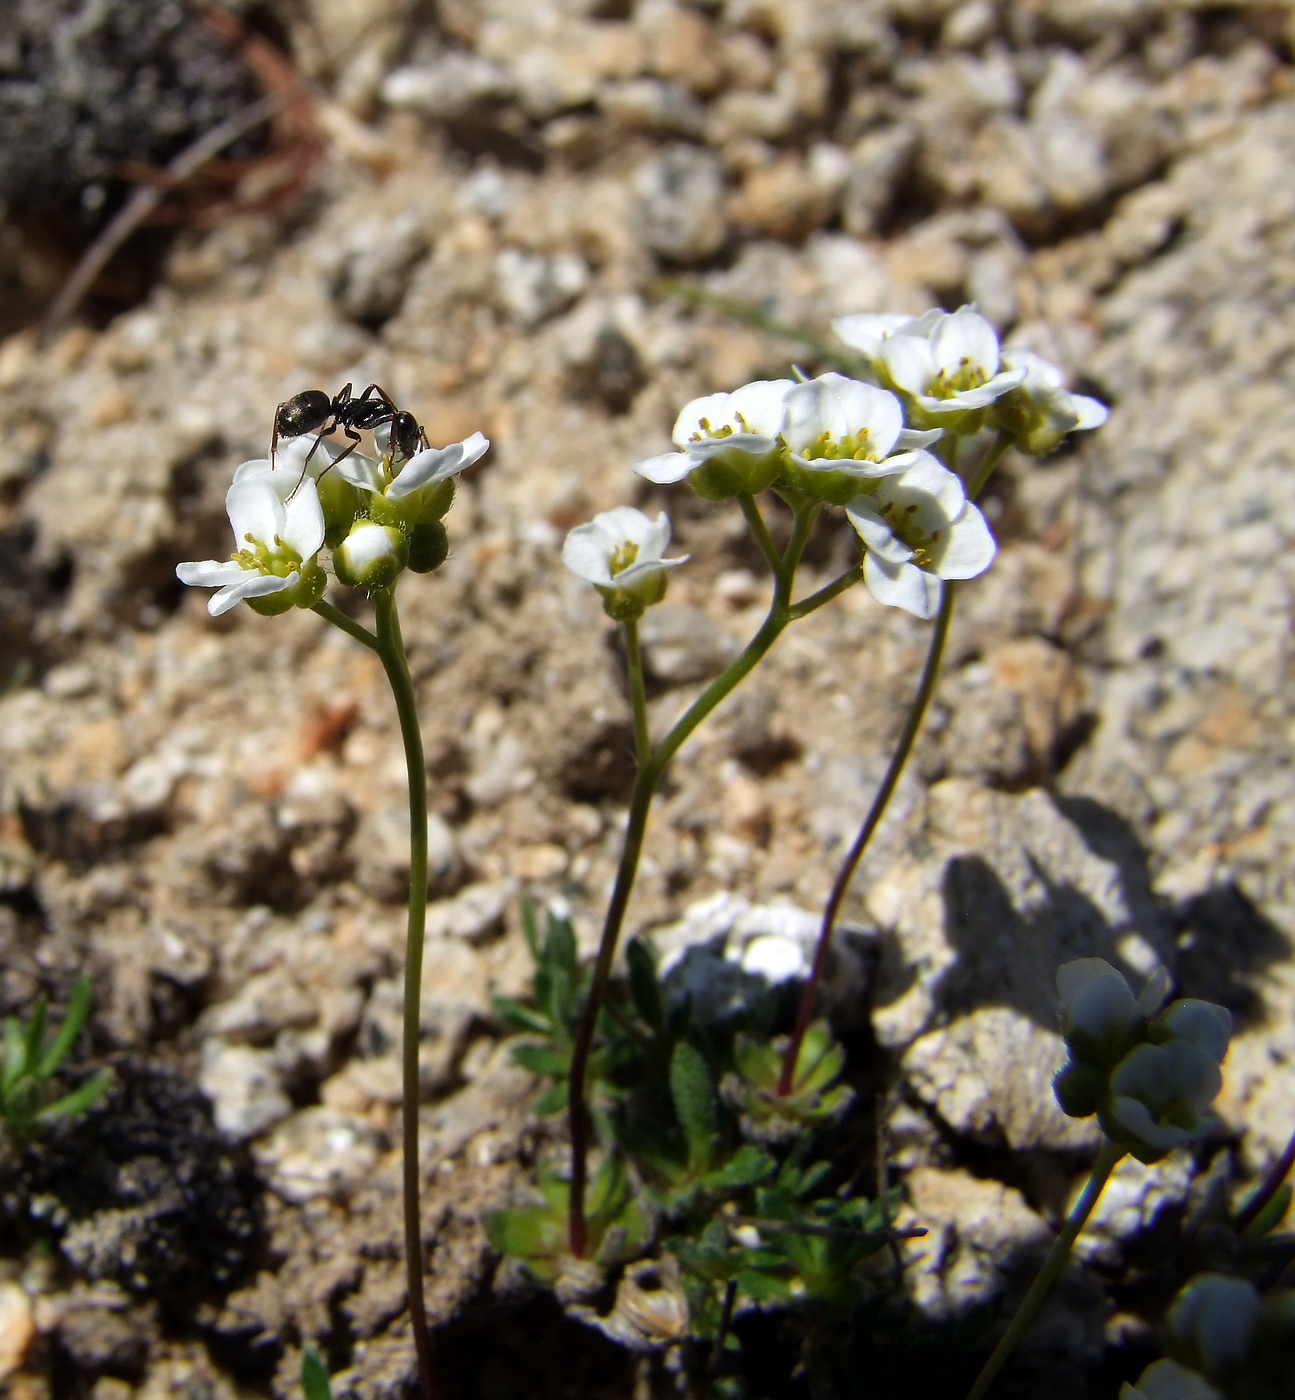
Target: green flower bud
<point>429,546</point>
<point>372,556</point>
<point>340,501</point>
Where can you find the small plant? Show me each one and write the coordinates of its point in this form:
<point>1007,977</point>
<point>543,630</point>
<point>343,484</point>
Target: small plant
<point>28,1105</point>
<point>723,1192</point>
<point>713,1185</point>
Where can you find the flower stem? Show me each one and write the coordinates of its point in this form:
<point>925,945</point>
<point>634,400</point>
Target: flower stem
<point>391,648</point>
<point>1270,1186</point>
<point>645,784</point>
<point>1110,1154</point>
<point>760,530</point>
<point>916,714</point>
<point>347,624</point>
<point>638,697</point>
<point>986,465</point>
<point>826,593</point>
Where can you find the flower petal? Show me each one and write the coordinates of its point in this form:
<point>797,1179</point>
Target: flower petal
<point>970,549</point>
<point>909,363</point>
<point>966,338</point>
<point>303,524</point>
<point>875,532</point>
<point>585,551</point>
<point>902,586</point>
<point>251,585</point>
<point>761,405</point>
<point>643,568</point>
<point>866,330</point>
<point>1092,414</point>
<point>255,509</point>
<point>209,573</point>
<point>668,468</point>
<point>435,464</point>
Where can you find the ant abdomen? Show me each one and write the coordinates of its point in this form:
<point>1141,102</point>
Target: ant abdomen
<point>303,413</point>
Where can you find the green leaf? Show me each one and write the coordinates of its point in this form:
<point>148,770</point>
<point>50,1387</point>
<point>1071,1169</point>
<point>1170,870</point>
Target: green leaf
<point>79,1100</point>
<point>520,1017</point>
<point>36,1033</point>
<point>644,989</point>
<point>542,1059</point>
<point>748,1166</point>
<point>531,929</point>
<point>314,1376</point>
<point>552,1100</point>
<point>560,946</point>
<point>526,1232</point>
<point>15,1054</point>
<point>693,1093</point>
<point>78,1008</point>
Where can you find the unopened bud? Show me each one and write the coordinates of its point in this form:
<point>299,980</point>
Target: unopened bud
<point>371,556</point>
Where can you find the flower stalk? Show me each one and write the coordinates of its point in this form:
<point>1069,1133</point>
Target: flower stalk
<point>391,650</point>
<point>898,759</point>
<point>652,765</point>
<point>1107,1160</point>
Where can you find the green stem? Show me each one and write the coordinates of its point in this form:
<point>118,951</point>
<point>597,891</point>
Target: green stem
<point>638,696</point>
<point>826,594</point>
<point>761,532</point>
<point>1052,1266</point>
<point>1270,1186</point>
<point>916,714</point>
<point>347,624</point>
<point>986,465</point>
<point>390,647</point>
<point>645,784</point>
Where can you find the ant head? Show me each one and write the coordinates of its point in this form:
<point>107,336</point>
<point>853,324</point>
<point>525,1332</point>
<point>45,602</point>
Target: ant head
<point>406,434</point>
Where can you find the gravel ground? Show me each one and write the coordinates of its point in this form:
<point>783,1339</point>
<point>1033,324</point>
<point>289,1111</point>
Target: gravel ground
<point>207,813</point>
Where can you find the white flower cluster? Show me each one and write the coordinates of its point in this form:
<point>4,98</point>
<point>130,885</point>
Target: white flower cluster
<point>862,444</point>
<point>378,514</point>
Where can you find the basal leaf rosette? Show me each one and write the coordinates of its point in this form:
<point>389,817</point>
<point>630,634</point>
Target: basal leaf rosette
<point>1040,411</point>
<point>816,1099</point>
<point>1149,1078</point>
<point>729,444</point>
<point>620,552</point>
<point>841,434</point>
<point>946,366</point>
<point>278,526</point>
<point>918,528</point>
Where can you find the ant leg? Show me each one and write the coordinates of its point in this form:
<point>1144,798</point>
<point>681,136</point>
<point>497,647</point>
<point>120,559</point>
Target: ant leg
<point>341,457</point>
<point>380,392</point>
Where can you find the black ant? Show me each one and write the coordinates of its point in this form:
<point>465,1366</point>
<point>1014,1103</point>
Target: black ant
<point>312,410</point>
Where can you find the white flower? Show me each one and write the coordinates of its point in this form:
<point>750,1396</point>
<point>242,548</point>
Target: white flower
<point>371,556</point>
<point>865,331</point>
<point>424,471</point>
<point>728,442</point>
<point>918,528</point>
<point>840,432</point>
<point>1040,411</point>
<point>619,552</point>
<point>277,535</point>
<point>944,363</point>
